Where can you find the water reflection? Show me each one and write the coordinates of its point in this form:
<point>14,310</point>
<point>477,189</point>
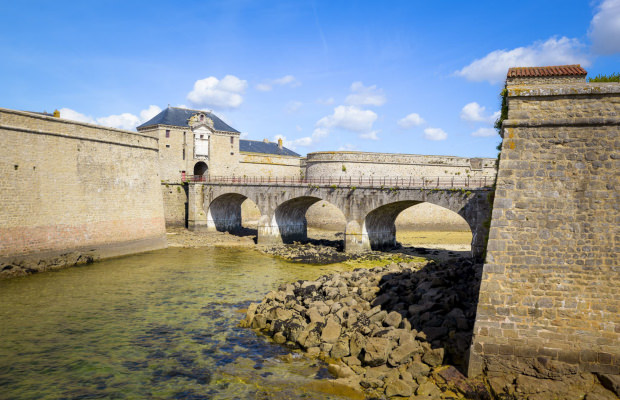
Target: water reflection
<point>160,325</point>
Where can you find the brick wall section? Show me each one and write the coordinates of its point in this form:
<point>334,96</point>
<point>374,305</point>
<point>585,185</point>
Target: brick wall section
<point>67,185</point>
<point>550,284</point>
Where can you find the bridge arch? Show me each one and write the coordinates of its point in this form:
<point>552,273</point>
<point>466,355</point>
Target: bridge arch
<point>290,217</point>
<point>224,213</point>
<point>380,224</point>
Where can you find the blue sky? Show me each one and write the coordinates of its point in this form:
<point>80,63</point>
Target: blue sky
<point>419,77</point>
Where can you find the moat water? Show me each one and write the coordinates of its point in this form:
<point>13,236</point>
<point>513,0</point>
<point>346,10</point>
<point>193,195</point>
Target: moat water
<point>159,325</point>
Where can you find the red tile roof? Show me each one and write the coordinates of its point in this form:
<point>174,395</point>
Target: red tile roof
<point>556,70</point>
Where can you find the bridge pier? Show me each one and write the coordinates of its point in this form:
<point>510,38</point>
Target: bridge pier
<point>196,216</point>
<point>268,231</point>
<point>355,238</point>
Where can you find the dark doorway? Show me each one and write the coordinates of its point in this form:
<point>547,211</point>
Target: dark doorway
<point>200,168</point>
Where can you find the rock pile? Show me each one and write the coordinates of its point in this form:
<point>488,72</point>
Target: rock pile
<point>387,329</point>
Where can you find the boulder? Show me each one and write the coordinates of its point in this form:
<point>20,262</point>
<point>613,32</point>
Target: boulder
<point>393,319</point>
<point>331,331</point>
<point>433,357</point>
<point>377,350</point>
<point>398,387</point>
<point>402,354</point>
<point>341,348</point>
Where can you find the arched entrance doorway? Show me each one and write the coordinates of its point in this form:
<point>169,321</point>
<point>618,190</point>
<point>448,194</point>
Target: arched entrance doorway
<point>200,169</point>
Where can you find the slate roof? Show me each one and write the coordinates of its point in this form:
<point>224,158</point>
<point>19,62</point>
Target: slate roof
<point>555,70</point>
<point>175,116</point>
<point>255,146</point>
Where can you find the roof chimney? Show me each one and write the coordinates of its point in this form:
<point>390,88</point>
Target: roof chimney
<point>265,140</point>
<point>56,113</point>
<point>280,143</point>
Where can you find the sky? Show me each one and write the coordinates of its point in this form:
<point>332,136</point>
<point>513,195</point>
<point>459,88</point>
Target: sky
<point>417,77</point>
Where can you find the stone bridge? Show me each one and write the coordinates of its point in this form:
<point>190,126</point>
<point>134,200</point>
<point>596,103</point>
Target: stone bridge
<point>370,211</point>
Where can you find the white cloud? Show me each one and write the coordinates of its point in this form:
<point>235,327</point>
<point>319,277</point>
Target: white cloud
<point>225,93</point>
<point>474,112</point>
<point>494,66</point>
<point>121,121</point>
<point>326,102</point>
<point>351,118</point>
<point>126,121</point>
<point>372,135</point>
<point>243,135</point>
<point>263,87</point>
<point>605,28</point>
<point>73,115</point>
<point>293,106</point>
<point>347,147</point>
<point>365,96</point>
<point>484,132</point>
<point>410,121</point>
<point>149,113</point>
<point>298,127</point>
<point>287,80</point>
<point>435,134</point>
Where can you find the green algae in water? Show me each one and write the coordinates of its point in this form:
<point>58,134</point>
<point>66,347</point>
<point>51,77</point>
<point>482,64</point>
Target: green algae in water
<point>158,325</point>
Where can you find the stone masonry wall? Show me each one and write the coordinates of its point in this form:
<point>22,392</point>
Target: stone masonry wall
<point>255,164</point>
<point>66,185</point>
<point>550,285</point>
<point>347,163</point>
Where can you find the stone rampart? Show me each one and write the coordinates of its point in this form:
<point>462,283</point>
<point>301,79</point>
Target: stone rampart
<point>350,163</point>
<point>550,285</point>
<point>69,186</point>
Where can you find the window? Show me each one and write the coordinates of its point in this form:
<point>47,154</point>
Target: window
<point>232,140</point>
<point>167,133</point>
<point>202,136</point>
<point>184,154</point>
<point>167,146</point>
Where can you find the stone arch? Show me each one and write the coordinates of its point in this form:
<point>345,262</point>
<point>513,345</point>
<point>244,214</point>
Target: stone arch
<point>224,213</point>
<point>290,218</point>
<point>201,168</point>
<point>379,226</point>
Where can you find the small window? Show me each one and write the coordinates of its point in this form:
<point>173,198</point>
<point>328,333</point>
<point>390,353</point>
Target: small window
<point>232,154</point>
<point>167,132</point>
<point>202,136</point>
<point>167,146</point>
<point>232,140</point>
<point>184,154</point>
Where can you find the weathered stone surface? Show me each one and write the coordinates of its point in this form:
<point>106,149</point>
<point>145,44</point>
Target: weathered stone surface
<point>553,234</point>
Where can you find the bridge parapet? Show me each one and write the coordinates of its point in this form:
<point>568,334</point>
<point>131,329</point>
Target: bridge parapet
<point>442,182</point>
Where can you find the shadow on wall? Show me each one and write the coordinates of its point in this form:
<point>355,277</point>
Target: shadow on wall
<point>439,301</point>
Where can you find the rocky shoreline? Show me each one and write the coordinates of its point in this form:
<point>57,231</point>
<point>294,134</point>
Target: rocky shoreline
<point>402,331</point>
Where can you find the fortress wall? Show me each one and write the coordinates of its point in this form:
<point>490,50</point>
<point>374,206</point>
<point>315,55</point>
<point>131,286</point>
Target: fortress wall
<point>347,163</point>
<point>256,164</point>
<point>175,203</point>
<point>552,273</point>
<point>66,186</point>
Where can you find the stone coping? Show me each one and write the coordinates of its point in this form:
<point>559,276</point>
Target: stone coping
<point>564,89</point>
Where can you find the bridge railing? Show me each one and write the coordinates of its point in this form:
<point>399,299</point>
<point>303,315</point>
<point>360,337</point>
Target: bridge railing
<point>351,181</point>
